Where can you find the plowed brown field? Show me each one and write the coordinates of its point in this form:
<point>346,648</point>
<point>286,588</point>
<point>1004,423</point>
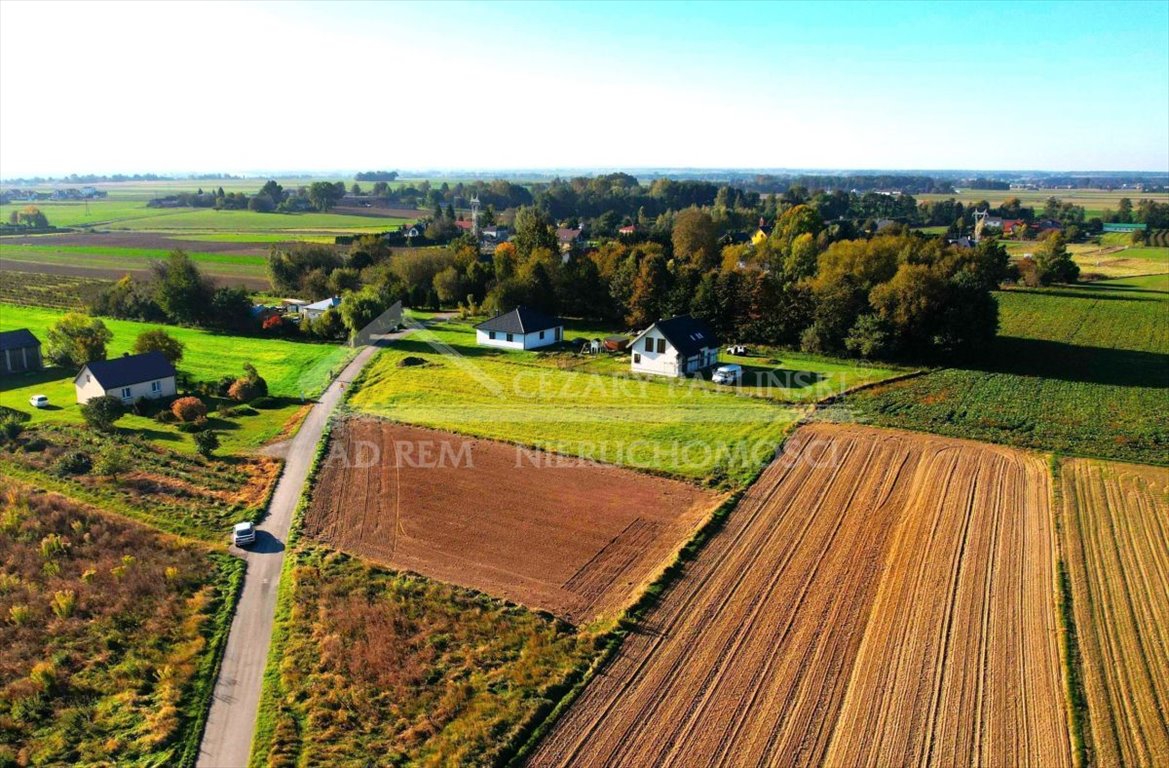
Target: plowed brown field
<point>878,597</point>
<point>1116,542</point>
<point>574,540</point>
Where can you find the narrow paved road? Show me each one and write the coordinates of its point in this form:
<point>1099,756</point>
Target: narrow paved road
<point>227,740</point>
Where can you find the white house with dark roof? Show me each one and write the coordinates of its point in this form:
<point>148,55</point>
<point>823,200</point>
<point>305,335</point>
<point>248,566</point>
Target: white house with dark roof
<point>680,346</point>
<point>129,378</point>
<point>521,328</point>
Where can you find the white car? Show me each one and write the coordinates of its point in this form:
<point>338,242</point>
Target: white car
<point>243,534</point>
<point>727,374</point>
<point>38,401</point>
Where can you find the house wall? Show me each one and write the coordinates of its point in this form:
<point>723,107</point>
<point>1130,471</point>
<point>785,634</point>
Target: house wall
<point>18,360</point>
<point>88,388</point>
<point>660,363</point>
<point>519,340</point>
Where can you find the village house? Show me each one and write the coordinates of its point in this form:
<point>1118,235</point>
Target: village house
<point>318,308</point>
<point>129,378</point>
<point>569,238</point>
<point>680,346</point>
<point>521,328</point>
<point>20,351</point>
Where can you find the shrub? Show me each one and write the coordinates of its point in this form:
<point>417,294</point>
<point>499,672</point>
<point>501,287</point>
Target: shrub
<point>206,443</point>
<point>64,603</point>
<point>189,409</point>
<point>19,614</point>
<point>101,412</point>
<point>112,460</point>
<point>10,428</point>
<point>52,546</point>
<point>265,402</point>
<point>74,463</point>
<point>165,416</point>
<point>192,427</point>
<point>243,390</point>
<point>158,340</point>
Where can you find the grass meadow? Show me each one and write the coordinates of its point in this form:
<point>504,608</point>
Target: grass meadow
<point>224,267</point>
<point>1080,370</point>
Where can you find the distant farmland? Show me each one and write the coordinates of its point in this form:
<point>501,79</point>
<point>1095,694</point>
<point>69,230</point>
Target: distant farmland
<point>1094,201</point>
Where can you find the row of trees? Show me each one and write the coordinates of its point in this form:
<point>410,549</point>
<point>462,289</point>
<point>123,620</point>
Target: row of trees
<point>178,293</point>
<point>272,197</point>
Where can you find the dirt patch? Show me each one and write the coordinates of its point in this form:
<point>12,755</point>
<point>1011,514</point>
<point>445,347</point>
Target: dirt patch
<point>576,541</point>
<point>878,597</point>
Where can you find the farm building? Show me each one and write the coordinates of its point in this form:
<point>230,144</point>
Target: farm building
<point>129,378</point>
<point>1118,227</point>
<point>522,328</point>
<point>19,351</point>
<point>318,308</point>
<point>679,346</point>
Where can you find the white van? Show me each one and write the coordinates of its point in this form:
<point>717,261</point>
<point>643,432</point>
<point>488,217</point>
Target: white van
<point>728,374</point>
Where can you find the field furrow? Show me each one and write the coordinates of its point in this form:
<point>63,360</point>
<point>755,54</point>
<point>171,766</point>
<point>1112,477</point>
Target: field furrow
<point>873,600</point>
<point>1117,547</point>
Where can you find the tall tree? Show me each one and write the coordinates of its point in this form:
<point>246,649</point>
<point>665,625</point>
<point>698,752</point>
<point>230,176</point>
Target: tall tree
<point>695,239</point>
<point>533,230</point>
<point>180,288</point>
<point>77,339</point>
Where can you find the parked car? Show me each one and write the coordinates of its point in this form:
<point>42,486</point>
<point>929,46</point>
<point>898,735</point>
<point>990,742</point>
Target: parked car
<point>38,401</point>
<point>243,534</point>
<point>727,374</point>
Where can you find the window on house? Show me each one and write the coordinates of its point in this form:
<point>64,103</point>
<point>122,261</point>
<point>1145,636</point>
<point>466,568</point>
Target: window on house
<point>510,336</point>
<point>156,386</point>
<point>125,391</point>
<point>541,334</point>
<point>661,346</point>
<point>649,344</point>
<point>492,335</point>
<point>636,358</point>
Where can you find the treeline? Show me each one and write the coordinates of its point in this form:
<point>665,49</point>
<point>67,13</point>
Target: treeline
<point>896,296</point>
<point>272,197</point>
<point>177,293</point>
<point>90,178</point>
<point>376,176</point>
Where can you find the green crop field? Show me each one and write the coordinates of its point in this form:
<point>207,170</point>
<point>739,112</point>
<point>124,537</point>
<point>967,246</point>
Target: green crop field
<point>292,369</point>
<point>1094,201</point>
<point>1081,370</point>
<point>135,216</point>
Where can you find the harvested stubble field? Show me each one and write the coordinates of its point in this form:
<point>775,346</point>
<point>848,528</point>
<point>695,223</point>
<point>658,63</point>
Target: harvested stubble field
<point>877,598</point>
<point>1115,531</point>
<point>468,512</point>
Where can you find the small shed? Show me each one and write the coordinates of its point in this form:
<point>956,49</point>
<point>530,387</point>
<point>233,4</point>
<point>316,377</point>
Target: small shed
<point>20,351</point>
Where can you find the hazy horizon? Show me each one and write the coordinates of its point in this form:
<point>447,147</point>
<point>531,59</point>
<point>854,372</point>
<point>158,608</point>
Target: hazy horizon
<point>248,89</point>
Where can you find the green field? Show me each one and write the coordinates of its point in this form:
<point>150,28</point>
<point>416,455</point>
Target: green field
<point>370,662</point>
<point>780,375</point>
<point>135,216</point>
<point>1080,370</point>
<point>668,426</point>
<point>292,369</point>
<point>1094,201</point>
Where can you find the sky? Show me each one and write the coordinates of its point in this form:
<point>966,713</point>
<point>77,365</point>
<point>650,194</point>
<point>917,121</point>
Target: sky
<point>250,88</point>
